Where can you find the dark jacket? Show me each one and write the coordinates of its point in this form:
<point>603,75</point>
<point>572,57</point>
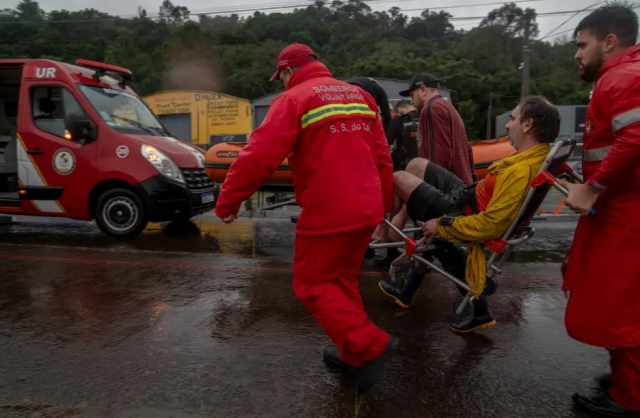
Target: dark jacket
<point>379,95</point>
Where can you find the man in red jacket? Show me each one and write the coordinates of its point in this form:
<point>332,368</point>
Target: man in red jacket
<point>602,274</point>
<point>331,133</point>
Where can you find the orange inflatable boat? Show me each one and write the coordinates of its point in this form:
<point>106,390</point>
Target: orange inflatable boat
<point>220,157</point>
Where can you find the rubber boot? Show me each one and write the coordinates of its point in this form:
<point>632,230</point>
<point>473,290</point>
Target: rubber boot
<point>403,292</point>
<point>454,262</point>
<point>602,405</point>
<point>482,318</point>
<point>367,375</point>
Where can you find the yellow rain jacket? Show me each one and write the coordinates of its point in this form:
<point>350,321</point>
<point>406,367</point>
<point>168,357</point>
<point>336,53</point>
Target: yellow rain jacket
<point>513,177</point>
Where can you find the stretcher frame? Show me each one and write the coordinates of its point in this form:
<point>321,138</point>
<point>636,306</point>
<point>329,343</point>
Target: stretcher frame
<point>519,232</point>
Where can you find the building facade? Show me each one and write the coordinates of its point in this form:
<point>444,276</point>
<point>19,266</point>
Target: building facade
<point>203,118</point>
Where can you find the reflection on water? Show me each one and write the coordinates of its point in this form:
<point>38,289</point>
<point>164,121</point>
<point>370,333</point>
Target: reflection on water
<point>238,238</point>
<point>174,325</point>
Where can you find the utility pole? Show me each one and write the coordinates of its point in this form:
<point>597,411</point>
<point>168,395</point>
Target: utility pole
<point>488,136</point>
<point>526,62</point>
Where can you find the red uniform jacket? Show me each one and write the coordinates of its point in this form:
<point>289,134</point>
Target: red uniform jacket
<point>603,268</point>
<point>341,165</point>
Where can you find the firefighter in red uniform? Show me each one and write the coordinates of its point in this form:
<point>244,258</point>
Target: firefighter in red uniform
<point>332,135</point>
<point>602,272</point>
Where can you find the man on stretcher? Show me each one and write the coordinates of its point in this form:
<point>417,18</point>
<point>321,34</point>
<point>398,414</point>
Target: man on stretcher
<point>488,207</point>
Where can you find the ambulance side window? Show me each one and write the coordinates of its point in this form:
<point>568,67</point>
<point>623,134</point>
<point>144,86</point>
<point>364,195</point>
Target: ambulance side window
<point>50,106</point>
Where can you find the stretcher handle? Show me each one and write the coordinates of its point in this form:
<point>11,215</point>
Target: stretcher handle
<point>548,178</point>
<point>567,168</point>
<point>410,242</point>
<point>392,226</point>
<point>566,193</point>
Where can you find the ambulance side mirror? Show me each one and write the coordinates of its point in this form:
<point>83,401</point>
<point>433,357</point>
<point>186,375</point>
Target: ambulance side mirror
<point>79,128</point>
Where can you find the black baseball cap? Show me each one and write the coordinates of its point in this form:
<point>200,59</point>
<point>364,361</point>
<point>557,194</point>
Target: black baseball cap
<point>421,79</point>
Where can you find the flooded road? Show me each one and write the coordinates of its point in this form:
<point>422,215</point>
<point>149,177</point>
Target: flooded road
<point>201,321</point>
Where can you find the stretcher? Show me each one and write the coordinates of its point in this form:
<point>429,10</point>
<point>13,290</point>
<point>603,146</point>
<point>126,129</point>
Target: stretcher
<point>519,232</point>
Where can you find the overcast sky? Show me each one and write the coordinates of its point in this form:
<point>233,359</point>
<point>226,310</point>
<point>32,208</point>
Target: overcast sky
<point>458,8</point>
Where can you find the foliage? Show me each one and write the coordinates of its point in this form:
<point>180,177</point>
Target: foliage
<point>175,48</point>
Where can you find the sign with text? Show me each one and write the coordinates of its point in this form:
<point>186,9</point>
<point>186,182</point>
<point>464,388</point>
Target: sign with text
<point>214,116</point>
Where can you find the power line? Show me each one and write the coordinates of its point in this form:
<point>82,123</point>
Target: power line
<point>569,30</point>
<point>294,5</point>
<point>227,11</point>
<point>213,10</point>
<point>238,9</point>
<point>208,11</point>
<point>446,8</point>
<point>563,23</point>
<point>560,33</point>
<point>547,14</point>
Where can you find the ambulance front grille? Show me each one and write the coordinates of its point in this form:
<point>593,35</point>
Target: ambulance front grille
<point>197,179</point>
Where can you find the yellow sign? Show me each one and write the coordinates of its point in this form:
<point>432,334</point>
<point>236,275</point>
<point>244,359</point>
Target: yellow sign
<point>211,113</point>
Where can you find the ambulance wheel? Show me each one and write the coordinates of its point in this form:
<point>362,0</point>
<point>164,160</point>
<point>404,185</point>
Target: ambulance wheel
<point>490,286</point>
<point>120,213</point>
<point>466,313</point>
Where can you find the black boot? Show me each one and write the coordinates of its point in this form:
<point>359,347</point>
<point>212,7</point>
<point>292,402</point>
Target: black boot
<point>365,376</point>
<point>482,318</point>
<point>605,382</point>
<point>332,357</point>
<point>403,293</point>
<point>602,405</point>
<point>476,323</point>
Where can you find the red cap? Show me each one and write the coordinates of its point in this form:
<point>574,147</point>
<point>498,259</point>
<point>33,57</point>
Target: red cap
<point>295,55</point>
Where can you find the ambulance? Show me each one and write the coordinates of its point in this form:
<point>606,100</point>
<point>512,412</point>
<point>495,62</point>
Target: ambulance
<point>77,141</point>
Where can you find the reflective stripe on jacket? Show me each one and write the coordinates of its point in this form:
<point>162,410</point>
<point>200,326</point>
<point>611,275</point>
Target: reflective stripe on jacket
<point>331,134</point>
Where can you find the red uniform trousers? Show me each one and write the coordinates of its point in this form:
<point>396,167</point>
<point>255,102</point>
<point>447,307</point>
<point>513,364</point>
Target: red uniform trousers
<point>325,279</point>
<point>625,373</point>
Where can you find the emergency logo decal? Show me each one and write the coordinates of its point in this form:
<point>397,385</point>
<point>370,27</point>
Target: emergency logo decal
<point>122,151</point>
<point>588,125</point>
<point>45,72</point>
<point>64,162</point>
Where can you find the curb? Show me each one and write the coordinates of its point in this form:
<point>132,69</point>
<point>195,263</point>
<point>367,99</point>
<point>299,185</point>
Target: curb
<point>282,214</point>
<point>569,217</point>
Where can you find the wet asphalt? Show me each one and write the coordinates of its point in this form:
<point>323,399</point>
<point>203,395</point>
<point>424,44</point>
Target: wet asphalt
<point>200,320</point>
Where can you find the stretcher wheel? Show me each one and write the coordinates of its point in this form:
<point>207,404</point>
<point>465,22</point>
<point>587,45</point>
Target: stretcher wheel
<point>490,286</point>
<point>467,312</point>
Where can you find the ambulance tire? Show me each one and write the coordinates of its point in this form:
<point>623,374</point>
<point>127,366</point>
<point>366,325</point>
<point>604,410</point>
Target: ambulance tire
<point>120,213</point>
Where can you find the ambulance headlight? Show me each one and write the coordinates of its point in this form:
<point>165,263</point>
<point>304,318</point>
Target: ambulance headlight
<point>163,163</point>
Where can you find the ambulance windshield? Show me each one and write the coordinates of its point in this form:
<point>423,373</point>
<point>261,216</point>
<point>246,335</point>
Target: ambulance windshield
<point>122,110</point>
